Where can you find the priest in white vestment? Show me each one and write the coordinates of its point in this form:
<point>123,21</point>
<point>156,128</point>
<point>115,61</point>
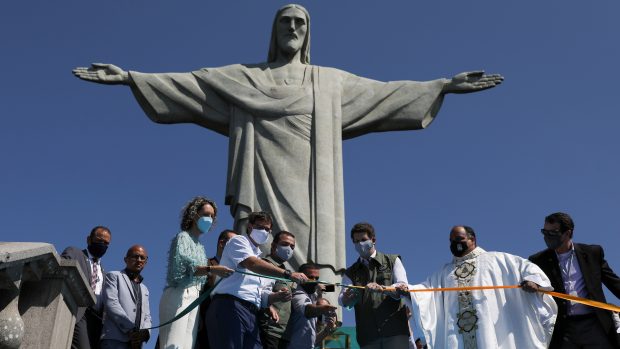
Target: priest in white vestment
<point>484,319</point>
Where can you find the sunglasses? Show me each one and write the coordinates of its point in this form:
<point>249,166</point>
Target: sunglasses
<point>551,232</point>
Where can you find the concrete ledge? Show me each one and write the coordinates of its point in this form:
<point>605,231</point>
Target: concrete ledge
<point>40,294</point>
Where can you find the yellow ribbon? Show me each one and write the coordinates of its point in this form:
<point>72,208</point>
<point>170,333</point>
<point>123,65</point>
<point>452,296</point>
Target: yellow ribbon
<point>589,302</point>
<point>596,304</point>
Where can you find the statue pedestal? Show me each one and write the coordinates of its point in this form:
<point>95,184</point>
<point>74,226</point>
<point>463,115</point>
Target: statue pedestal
<point>39,296</point>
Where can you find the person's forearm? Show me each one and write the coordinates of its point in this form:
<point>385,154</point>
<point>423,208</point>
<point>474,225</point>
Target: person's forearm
<point>259,266</point>
<point>312,310</point>
<point>202,270</point>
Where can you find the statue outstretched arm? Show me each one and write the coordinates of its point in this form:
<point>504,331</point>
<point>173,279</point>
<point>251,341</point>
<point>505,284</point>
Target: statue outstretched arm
<point>107,74</point>
<point>472,82</point>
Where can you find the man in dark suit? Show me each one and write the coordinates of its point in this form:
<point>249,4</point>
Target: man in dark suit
<point>88,320</point>
<point>126,310</point>
<point>579,270</point>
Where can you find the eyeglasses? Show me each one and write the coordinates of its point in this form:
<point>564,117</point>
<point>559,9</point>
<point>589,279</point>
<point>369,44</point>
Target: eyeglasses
<point>138,257</point>
<point>551,232</point>
<point>262,227</point>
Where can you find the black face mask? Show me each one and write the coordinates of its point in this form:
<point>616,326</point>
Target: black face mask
<point>458,248</point>
<point>97,249</point>
<point>553,242</point>
<point>309,287</point>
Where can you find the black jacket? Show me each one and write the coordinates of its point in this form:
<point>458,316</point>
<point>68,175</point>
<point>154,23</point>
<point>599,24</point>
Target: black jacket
<point>595,271</point>
<point>81,256</point>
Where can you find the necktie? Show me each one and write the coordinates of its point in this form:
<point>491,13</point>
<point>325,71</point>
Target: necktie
<point>94,277</point>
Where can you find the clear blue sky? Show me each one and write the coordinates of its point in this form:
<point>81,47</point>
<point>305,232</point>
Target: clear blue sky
<point>74,155</point>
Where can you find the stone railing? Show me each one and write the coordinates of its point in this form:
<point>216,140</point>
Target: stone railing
<point>39,296</point>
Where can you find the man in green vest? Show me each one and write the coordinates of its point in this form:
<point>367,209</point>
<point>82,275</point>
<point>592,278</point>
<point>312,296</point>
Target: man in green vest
<point>271,331</point>
<point>380,317</point>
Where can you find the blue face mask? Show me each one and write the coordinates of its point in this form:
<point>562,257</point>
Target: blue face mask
<point>204,224</point>
<point>364,248</point>
<point>284,252</point>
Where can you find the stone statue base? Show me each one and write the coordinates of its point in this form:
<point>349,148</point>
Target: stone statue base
<point>39,296</point>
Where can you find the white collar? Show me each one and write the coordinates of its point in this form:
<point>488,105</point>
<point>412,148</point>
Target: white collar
<point>366,261</point>
<point>255,248</point>
<point>471,255</point>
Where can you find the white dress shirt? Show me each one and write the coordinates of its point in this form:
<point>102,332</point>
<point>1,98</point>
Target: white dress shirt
<point>246,287</point>
<point>99,282</point>
<point>399,276</point>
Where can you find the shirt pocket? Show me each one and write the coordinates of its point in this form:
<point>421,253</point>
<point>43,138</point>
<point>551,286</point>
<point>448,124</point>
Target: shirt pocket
<point>384,278</point>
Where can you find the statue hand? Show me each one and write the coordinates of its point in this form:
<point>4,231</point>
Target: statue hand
<point>108,74</point>
<point>472,82</point>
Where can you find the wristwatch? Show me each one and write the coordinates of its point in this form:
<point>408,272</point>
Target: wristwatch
<point>287,274</point>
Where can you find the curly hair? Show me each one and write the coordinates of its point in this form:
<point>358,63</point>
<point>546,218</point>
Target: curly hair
<point>190,210</point>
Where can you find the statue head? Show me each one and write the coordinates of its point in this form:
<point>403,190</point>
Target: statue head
<point>275,45</point>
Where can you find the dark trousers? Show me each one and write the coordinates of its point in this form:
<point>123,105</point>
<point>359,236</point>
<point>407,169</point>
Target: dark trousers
<point>272,342</point>
<point>585,332</point>
<point>232,324</point>
<point>87,331</point>
<point>202,338</point>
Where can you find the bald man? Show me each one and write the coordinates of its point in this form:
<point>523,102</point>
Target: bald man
<point>126,312</point>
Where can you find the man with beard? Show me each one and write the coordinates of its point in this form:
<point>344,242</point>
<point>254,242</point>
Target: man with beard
<point>271,331</point>
<point>286,120</point>
<point>126,310</point>
<point>498,318</point>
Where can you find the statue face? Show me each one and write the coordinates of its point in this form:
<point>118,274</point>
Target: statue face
<point>291,30</point>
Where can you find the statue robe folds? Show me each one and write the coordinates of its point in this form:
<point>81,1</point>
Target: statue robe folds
<point>500,318</point>
<point>285,140</point>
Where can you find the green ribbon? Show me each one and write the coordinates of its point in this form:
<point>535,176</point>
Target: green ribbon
<point>287,280</point>
<point>207,293</point>
<point>189,308</point>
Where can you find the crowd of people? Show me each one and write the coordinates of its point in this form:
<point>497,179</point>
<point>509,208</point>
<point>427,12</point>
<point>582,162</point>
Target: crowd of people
<point>256,302</point>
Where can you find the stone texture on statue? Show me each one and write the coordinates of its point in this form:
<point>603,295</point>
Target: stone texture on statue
<point>286,120</point>
<point>39,296</point>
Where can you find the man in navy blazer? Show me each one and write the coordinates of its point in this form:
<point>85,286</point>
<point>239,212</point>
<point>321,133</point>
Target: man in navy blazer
<point>87,330</point>
<point>126,312</point>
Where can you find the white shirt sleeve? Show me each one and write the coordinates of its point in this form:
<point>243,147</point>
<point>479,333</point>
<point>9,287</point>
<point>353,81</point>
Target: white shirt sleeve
<point>345,281</point>
<point>265,292</point>
<point>399,275</point>
<point>238,249</point>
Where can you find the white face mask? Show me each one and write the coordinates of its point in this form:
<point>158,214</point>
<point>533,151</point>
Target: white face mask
<point>259,236</point>
<point>284,252</point>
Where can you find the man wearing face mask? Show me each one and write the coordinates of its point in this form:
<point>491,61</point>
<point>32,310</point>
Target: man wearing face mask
<point>301,331</point>
<point>88,320</point>
<point>579,270</point>
<point>237,300</point>
<point>271,332</point>
<point>380,318</point>
<point>498,318</point>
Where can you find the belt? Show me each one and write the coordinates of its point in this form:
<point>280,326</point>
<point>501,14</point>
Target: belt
<point>247,304</point>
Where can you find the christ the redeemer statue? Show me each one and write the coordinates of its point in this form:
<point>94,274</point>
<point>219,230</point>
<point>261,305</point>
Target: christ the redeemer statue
<point>285,120</point>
